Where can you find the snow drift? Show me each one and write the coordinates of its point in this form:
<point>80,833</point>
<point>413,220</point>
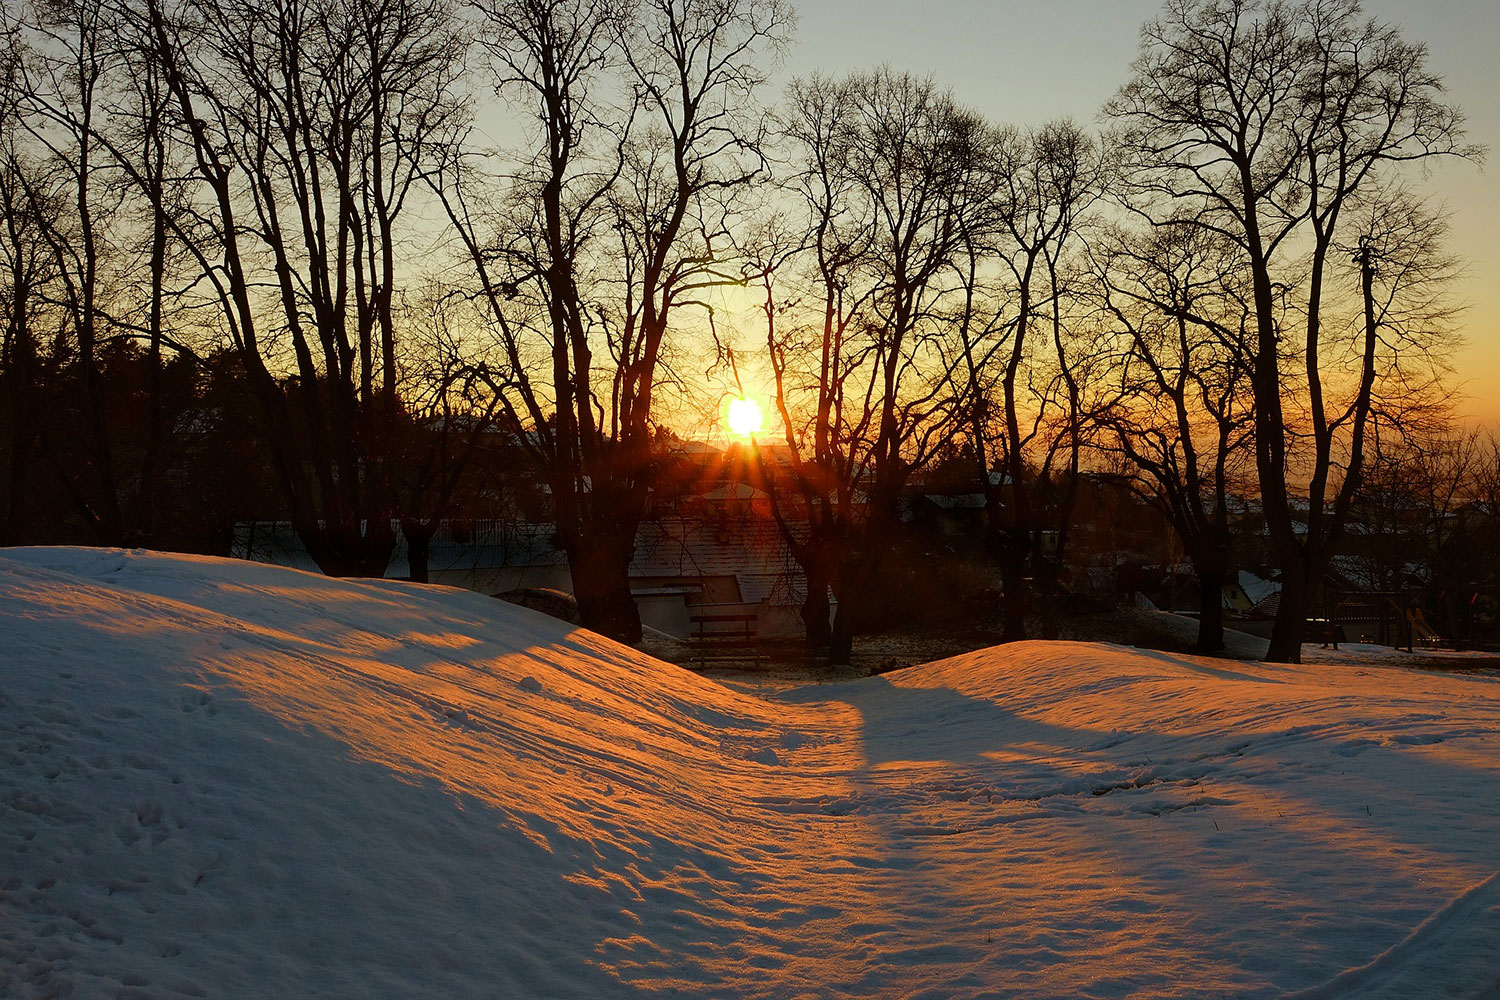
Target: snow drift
<point>223,779</point>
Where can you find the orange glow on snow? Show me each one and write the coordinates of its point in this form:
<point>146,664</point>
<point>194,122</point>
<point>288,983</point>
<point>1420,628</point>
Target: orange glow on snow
<point>840,829</point>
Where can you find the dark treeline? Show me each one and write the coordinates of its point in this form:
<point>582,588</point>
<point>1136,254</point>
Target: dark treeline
<point>266,258</point>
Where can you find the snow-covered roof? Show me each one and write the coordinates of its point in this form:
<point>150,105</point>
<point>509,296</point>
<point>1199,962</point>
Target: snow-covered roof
<point>750,549</point>
<point>1257,588</point>
<point>960,501</point>
<point>735,491</point>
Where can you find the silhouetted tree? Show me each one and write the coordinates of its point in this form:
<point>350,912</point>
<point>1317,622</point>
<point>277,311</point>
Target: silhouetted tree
<point>892,174</point>
<point>448,409</point>
<point>1026,405</point>
<point>1269,123</point>
<point>1178,302</point>
<point>310,126</point>
<point>27,268</point>
<point>63,69</point>
<point>621,216</point>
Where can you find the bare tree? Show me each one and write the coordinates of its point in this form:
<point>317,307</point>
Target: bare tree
<point>450,409</point>
<point>88,118</point>
<point>584,325</point>
<point>822,436</point>
<point>1417,480</point>
<point>892,175</point>
<point>144,111</point>
<point>27,269</point>
<point>1025,417</point>
<point>1176,299</point>
<point>63,82</point>
<point>1266,122</point>
<point>309,127</point>
<point>1467,579</point>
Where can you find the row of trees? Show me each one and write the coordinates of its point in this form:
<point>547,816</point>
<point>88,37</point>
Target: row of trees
<point>1243,276</point>
<point>1233,292</point>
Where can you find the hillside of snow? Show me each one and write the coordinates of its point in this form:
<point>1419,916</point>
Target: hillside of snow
<point>228,780</point>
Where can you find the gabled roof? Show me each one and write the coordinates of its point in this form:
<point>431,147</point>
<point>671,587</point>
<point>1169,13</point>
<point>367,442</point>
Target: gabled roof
<point>1257,588</point>
<point>735,491</point>
<point>961,501</point>
<point>749,549</point>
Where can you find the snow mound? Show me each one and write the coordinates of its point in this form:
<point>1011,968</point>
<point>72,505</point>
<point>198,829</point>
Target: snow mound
<point>234,780</point>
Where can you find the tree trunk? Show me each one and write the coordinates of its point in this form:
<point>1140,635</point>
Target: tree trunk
<point>18,488</point>
<point>860,582</point>
<point>1210,608</point>
<point>1046,573</point>
<point>1013,583</point>
<point>17,385</point>
<point>418,546</point>
<point>858,585</point>
<point>146,495</point>
<point>815,606</point>
<point>1291,618</point>
<point>348,549</point>
<point>601,585</point>
<point>841,637</point>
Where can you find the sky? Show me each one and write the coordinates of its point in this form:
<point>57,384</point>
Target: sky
<point>1029,61</point>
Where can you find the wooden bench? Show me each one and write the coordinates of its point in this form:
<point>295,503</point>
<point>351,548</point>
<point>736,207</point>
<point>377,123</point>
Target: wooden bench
<point>725,632</point>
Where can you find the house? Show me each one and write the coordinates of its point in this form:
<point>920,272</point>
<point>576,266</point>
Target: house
<point>729,554</point>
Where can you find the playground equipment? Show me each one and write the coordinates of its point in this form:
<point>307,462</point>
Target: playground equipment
<point>1421,632</point>
<point>1388,618</point>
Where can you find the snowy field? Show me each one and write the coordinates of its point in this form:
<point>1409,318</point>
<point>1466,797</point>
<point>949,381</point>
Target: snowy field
<point>231,780</point>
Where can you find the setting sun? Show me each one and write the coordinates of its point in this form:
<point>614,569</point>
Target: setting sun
<point>745,417</point>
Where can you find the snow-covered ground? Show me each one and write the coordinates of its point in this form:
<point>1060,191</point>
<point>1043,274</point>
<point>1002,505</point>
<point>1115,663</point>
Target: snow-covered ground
<point>231,780</point>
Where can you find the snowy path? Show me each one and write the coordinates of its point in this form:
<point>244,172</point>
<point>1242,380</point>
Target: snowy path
<point>228,780</point>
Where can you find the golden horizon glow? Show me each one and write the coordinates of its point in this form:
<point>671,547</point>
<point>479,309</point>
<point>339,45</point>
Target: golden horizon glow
<point>745,417</point>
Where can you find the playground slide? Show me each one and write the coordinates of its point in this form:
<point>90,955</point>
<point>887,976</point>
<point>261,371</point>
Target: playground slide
<point>1420,630</point>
